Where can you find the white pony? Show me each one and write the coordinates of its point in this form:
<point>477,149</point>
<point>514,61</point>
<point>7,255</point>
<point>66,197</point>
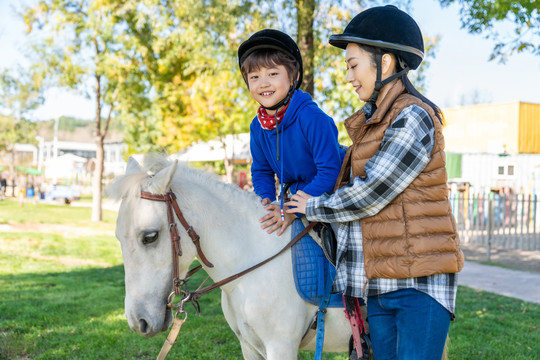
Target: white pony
<point>263,307</point>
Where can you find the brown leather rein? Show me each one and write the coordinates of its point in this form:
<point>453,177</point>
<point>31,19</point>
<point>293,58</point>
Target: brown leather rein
<point>172,208</point>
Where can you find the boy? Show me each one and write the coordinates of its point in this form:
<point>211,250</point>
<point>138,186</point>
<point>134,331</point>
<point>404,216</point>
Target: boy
<point>291,137</point>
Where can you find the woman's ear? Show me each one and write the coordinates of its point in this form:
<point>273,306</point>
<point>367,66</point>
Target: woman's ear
<point>388,65</point>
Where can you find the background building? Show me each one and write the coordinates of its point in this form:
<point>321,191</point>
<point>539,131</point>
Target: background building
<point>494,146</point>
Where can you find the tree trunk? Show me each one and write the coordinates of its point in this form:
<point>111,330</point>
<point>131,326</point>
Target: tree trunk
<point>228,163</point>
<point>98,171</point>
<point>97,187</point>
<point>229,169</point>
<point>305,15</point>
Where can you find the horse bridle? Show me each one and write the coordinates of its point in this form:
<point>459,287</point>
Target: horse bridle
<point>170,199</point>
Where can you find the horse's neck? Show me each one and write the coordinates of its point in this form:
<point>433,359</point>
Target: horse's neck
<point>231,235</point>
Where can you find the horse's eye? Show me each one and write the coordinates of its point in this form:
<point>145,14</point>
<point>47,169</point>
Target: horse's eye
<point>150,237</point>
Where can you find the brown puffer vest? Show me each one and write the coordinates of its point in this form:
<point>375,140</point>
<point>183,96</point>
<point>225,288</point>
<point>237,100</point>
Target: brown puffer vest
<point>415,235</point>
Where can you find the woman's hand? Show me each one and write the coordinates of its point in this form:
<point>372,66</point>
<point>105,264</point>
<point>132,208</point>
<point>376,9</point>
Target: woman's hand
<point>298,202</point>
<point>273,219</point>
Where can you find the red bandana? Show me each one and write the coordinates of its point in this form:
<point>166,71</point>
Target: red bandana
<point>268,121</point>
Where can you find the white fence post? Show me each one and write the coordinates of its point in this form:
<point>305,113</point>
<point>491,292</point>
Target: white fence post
<point>502,221</point>
<point>489,226</point>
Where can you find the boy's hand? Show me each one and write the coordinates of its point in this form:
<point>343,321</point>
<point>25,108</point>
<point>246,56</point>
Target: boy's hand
<point>266,201</point>
<point>273,220</point>
<point>298,202</point>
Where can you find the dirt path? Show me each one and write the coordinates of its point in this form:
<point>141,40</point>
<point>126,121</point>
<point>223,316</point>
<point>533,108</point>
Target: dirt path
<point>512,258</point>
<point>524,285</point>
<point>62,229</point>
<point>66,260</point>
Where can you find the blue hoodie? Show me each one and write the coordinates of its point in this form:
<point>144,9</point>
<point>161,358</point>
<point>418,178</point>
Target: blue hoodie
<point>309,150</point>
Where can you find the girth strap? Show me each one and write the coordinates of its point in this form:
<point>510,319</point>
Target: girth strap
<point>321,317</point>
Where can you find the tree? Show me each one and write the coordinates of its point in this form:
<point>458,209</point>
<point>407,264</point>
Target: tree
<point>193,80</point>
<point>418,76</point>
<point>481,17</point>
<point>79,47</point>
<point>305,18</point>
<point>331,89</point>
<point>168,68</point>
<point>21,92</point>
<point>193,71</point>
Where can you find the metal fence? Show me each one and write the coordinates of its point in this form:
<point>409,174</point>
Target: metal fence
<point>507,221</point>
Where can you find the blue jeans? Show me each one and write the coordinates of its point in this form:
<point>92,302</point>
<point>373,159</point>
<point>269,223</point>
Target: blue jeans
<point>407,325</point>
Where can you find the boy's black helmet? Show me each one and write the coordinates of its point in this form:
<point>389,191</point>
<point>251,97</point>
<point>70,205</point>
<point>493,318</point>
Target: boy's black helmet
<point>388,28</point>
<point>272,39</point>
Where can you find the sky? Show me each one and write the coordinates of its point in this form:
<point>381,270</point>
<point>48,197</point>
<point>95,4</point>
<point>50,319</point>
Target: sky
<point>459,71</point>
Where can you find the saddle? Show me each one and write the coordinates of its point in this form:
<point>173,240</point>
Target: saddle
<point>313,273</point>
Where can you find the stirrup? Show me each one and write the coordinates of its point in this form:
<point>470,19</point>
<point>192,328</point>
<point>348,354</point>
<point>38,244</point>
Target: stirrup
<point>367,352</point>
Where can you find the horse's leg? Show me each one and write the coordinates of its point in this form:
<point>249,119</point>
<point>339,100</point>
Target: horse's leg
<point>249,352</point>
<point>282,350</point>
<point>229,313</point>
<point>255,347</point>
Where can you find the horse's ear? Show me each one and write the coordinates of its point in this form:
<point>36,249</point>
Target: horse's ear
<point>162,179</point>
<point>132,166</point>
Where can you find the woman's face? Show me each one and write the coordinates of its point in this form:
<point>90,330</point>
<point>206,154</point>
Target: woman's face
<point>361,72</point>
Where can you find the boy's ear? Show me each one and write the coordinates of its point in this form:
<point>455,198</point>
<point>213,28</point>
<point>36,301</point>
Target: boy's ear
<point>295,81</point>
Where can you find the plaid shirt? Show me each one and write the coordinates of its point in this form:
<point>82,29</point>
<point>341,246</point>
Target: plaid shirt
<point>412,132</point>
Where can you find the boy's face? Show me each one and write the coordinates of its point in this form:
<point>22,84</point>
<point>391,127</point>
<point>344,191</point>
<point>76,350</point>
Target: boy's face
<point>268,86</point>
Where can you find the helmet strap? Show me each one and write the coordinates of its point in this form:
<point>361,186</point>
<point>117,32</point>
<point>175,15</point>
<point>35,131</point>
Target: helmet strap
<point>379,84</point>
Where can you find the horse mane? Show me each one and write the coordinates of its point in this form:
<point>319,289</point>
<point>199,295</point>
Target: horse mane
<point>129,185</point>
<point>126,186</point>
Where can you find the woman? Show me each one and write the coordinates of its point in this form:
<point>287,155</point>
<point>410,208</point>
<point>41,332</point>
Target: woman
<point>397,240</point>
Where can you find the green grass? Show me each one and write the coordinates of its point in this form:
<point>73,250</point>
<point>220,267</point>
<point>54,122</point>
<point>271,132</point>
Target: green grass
<point>492,263</point>
<point>12,212</point>
<point>62,298</point>
<point>86,198</point>
<point>489,326</point>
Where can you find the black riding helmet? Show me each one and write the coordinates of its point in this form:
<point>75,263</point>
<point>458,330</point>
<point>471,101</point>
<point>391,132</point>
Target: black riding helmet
<point>273,39</point>
<point>388,28</point>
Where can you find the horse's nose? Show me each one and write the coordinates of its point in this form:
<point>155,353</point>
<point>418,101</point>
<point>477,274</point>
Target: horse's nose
<point>143,326</point>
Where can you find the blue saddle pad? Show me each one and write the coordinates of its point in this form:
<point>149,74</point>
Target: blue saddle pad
<point>313,273</point>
